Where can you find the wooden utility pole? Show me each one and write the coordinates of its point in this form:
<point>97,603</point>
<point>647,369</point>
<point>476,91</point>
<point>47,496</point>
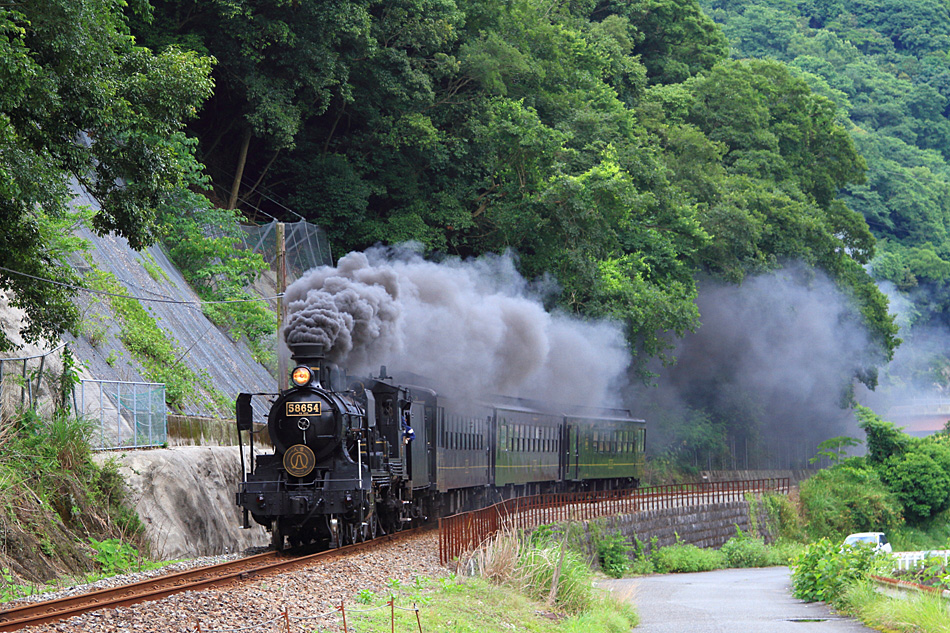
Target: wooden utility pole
<point>282,306</point>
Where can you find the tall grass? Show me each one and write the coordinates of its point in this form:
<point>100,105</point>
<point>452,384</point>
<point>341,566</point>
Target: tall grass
<point>540,565</point>
<point>919,613</point>
<point>533,566</point>
<point>55,498</point>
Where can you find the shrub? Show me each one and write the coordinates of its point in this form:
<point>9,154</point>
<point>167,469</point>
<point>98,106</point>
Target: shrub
<point>683,558</point>
<point>613,552</point>
<point>783,517</point>
<point>743,550</point>
<point>849,497</point>
<point>825,570</point>
<point>114,556</point>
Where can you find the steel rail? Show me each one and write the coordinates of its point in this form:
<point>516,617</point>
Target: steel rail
<point>166,585</point>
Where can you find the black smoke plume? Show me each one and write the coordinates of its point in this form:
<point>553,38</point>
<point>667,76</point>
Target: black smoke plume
<point>471,327</point>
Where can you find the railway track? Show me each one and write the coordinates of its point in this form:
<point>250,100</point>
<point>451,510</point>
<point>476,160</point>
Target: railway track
<point>159,587</point>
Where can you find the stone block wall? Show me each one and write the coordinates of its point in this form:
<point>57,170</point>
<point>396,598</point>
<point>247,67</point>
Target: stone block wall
<point>707,526</point>
<point>794,476</point>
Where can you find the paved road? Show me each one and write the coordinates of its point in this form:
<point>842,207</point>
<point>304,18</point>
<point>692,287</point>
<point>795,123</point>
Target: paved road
<point>727,601</point>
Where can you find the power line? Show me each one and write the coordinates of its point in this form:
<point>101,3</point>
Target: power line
<point>260,190</point>
<point>121,296</point>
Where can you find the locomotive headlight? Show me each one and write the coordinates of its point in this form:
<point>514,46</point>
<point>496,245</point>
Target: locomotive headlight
<point>301,376</point>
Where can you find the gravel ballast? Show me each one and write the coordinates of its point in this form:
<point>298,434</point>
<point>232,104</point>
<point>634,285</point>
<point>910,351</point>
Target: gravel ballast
<point>311,596</point>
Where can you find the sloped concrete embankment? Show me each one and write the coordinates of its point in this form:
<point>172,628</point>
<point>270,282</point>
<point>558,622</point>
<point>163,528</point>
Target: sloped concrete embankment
<point>185,498</point>
<point>794,476</point>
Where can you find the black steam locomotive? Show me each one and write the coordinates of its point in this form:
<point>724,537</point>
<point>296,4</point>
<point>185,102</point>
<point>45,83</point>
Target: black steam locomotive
<point>356,459</point>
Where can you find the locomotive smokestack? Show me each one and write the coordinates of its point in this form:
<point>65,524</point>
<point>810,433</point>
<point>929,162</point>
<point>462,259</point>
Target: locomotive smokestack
<point>307,353</point>
<point>312,355</point>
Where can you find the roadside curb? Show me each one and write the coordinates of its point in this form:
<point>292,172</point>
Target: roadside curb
<point>901,588</point>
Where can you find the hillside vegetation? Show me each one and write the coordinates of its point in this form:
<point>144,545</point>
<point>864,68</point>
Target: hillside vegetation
<point>622,149</point>
<point>885,66</point>
<point>601,141</point>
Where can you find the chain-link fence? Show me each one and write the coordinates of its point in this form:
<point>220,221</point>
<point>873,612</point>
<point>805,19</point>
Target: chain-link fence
<point>129,414</point>
<point>306,245</point>
<point>31,382</point>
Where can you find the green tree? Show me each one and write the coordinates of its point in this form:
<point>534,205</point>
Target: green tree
<point>834,449</point>
<point>676,40</point>
<point>920,483</point>
<point>885,66</point>
<point>82,102</point>
<point>883,438</point>
<point>279,62</point>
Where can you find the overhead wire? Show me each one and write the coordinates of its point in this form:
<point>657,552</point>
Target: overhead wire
<point>122,296</point>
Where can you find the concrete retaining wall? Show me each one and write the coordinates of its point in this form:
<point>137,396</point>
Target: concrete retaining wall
<point>707,526</point>
<point>185,498</point>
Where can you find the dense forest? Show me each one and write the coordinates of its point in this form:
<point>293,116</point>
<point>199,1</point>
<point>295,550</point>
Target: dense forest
<point>885,66</point>
<point>603,141</point>
<point>637,151</point>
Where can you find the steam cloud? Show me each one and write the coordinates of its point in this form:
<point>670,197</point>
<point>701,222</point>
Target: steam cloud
<point>914,382</point>
<point>772,360</point>
<point>471,327</point>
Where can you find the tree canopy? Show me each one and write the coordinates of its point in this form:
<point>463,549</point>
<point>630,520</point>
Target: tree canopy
<point>81,102</point>
<point>600,140</point>
<point>885,66</point>
<point>610,144</point>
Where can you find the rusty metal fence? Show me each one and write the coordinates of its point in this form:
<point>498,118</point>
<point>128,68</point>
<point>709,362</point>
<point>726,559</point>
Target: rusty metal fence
<point>22,386</point>
<point>465,532</point>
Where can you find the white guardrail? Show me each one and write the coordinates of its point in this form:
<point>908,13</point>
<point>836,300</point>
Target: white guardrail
<point>910,560</point>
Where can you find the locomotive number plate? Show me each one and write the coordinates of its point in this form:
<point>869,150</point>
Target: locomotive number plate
<point>303,408</point>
